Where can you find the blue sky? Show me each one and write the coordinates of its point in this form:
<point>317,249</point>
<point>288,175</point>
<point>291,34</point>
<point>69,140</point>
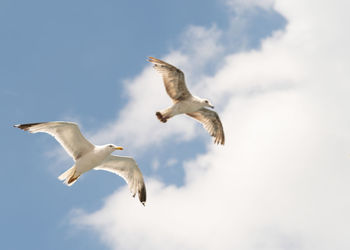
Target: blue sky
<point>84,60</point>
<point>68,60</point>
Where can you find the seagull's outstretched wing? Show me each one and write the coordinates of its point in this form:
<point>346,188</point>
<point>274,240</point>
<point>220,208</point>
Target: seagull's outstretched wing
<point>66,133</point>
<point>173,78</point>
<point>211,123</point>
<point>127,168</point>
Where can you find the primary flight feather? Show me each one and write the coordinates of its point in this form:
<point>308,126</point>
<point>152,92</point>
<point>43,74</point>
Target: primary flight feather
<point>185,103</point>
<point>88,156</point>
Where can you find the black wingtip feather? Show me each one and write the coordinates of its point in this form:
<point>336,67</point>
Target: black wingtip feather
<point>142,195</point>
<point>219,141</point>
<point>26,126</point>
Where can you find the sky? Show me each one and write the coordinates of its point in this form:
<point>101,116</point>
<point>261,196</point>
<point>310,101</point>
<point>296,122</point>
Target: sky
<point>276,72</point>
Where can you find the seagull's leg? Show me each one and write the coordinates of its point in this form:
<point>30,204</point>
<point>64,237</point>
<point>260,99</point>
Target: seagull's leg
<point>73,179</point>
<point>165,114</point>
<point>160,117</point>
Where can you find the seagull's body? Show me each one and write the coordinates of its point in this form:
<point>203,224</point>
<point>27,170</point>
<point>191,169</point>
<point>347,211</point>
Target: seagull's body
<point>88,156</point>
<point>189,105</point>
<point>185,103</point>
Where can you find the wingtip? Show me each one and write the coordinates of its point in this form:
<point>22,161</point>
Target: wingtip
<point>151,59</point>
<point>21,126</point>
<point>26,126</point>
<point>219,141</point>
<point>142,195</point>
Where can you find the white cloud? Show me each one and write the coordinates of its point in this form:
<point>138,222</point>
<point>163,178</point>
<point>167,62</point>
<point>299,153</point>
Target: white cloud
<point>171,162</point>
<point>155,164</point>
<point>248,4</point>
<point>281,180</point>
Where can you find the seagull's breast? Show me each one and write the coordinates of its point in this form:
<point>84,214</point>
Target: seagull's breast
<point>187,106</point>
<point>90,160</point>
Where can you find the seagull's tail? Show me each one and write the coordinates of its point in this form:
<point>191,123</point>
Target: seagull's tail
<point>69,177</point>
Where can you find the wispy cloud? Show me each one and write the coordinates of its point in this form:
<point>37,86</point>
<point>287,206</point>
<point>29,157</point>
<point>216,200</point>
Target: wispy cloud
<point>240,5</point>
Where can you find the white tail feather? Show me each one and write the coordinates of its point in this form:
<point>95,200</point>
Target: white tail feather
<point>67,175</point>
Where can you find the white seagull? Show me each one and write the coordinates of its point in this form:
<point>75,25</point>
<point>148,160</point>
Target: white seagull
<point>185,103</point>
<point>88,156</point>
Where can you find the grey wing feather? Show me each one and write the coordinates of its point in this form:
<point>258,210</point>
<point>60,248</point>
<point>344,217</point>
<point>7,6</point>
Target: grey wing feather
<point>173,78</point>
<point>211,123</point>
<point>66,133</point>
<point>127,168</point>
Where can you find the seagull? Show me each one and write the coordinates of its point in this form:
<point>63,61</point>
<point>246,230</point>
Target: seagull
<point>88,156</point>
<point>185,103</point>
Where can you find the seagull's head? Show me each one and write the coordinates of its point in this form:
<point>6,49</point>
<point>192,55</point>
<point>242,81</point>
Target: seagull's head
<point>112,147</point>
<point>206,103</point>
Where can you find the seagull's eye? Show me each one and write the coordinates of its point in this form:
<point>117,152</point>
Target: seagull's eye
<point>206,101</point>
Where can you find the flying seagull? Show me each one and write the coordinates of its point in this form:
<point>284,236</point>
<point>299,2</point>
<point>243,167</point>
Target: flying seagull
<point>88,156</point>
<point>185,102</point>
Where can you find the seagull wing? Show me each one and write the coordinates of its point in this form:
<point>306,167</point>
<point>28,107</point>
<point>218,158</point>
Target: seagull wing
<point>211,123</point>
<point>173,78</point>
<point>66,133</point>
<point>127,168</point>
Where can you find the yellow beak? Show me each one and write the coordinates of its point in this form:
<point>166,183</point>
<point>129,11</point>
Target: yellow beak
<point>118,148</point>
